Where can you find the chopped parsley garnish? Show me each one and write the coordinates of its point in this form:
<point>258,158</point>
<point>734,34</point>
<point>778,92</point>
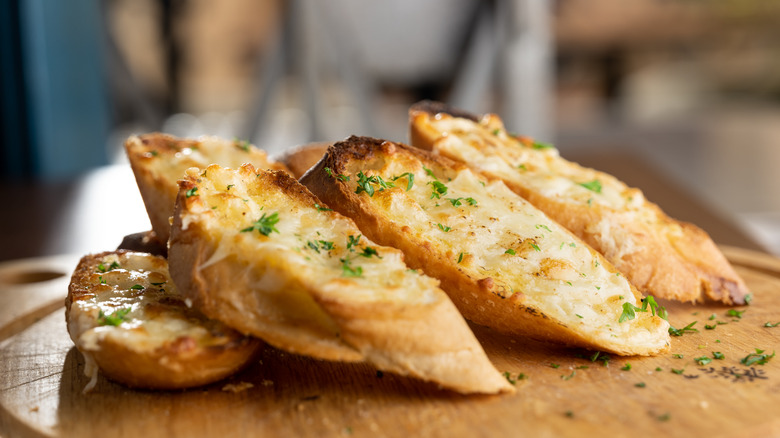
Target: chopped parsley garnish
<point>264,225</point>
<point>555,365</point>
<point>429,172</point>
<point>353,240</point>
<point>713,316</point>
<point>748,299</point>
<point>366,183</point>
<point>115,318</point>
<point>640,384</point>
<point>438,189</point>
<point>678,356</point>
<point>680,371</point>
<point>626,367</point>
<point>496,131</point>
<point>629,310</point>
<point>703,360</point>
<point>456,201</point>
<point>510,251</point>
<point>444,228</point>
<point>136,287</point>
<point>710,327</point>
<point>348,271</point>
<point>540,145</point>
<point>535,247</point>
<point>339,177</point>
<point>718,355</point>
<point>543,227</point>
<point>570,376</point>
<point>460,257</point>
<point>522,167</point>
<point>368,252</point>
<point>735,313</point>
<point>593,186</point>
<point>687,329</point>
<point>321,208</point>
<point>757,358</point>
<point>769,324</point>
<point>103,268</point>
<point>511,380</point>
<point>409,177</point>
<point>192,192</point>
<point>158,284</point>
<point>242,144</point>
<point>320,244</point>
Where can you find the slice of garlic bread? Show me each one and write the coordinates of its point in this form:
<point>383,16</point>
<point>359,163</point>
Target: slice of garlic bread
<point>256,250</point>
<point>504,263</point>
<point>125,315</point>
<point>300,159</point>
<point>159,160</point>
<point>661,256</point>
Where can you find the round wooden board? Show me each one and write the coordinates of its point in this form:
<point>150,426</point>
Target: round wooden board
<point>564,392</point>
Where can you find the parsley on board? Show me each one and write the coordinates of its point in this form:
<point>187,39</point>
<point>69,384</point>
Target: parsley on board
<point>757,358</point>
<point>703,360</point>
<point>640,384</point>
<point>593,186</point>
<point>264,225</point>
<point>626,367</point>
<point>735,313</point>
<point>769,324</point>
<point>687,329</point>
<point>718,355</point>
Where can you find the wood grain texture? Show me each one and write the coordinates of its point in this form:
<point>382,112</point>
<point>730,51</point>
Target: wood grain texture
<point>564,392</point>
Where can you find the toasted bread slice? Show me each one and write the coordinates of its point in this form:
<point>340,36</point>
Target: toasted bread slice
<point>127,318</point>
<point>159,160</point>
<point>302,158</point>
<point>504,263</point>
<point>661,256</point>
<point>256,250</point>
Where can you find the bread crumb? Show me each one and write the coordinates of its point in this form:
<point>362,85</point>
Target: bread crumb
<point>237,387</point>
<point>34,409</point>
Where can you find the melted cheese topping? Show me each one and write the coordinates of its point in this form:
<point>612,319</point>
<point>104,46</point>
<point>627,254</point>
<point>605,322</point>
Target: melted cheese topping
<point>490,232</point>
<point>306,247</point>
<point>135,303</point>
<point>489,148</point>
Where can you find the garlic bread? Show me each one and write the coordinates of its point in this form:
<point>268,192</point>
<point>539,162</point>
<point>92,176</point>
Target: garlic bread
<point>256,250</point>
<point>159,160</point>
<point>661,256</point>
<point>504,263</point>
<point>300,159</point>
<point>125,315</point>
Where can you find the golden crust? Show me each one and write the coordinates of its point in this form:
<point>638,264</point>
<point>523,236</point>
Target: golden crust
<point>159,160</point>
<point>288,288</point>
<point>661,256</point>
<point>480,298</point>
<point>159,343</point>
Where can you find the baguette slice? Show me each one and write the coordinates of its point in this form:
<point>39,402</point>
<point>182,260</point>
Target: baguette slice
<point>126,317</point>
<point>256,250</point>
<point>159,160</point>
<point>504,263</point>
<point>661,256</point>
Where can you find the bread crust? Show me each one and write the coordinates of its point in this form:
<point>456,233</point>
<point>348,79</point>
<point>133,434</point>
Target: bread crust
<point>159,160</point>
<point>302,158</point>
<point>479,298</point>
<point>663,257</point>
<point>161,343</point>
<point>306,309</point>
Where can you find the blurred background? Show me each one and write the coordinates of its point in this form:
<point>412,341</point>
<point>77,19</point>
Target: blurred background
<point>689,88</point>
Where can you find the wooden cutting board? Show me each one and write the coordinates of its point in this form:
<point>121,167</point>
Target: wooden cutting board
<point>564,392</point>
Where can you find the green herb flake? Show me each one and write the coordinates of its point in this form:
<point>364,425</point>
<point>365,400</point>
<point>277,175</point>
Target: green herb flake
<point>687,329</point>
<point>735,313</point>
<point>347,270</point>
<point>570,376</point>
<point>321,208</point>
<point>640,384</point>
<point>444,228</point>
<point>757,358</point>
<point>713,316</point>
<point>353,240</point>
<point>543,227</point>
<point>366,184</point>
<point>136,287</point>
<point>241,144</point>
<point>769,324</point>
<point>678,356</point>
<point>115,318</point>
<point>658,369</point>
<point>676,371</point>
<point>718,355</point>
<point>555,365</point>
<point>460,257</point>
<point>522,167</point>
<point>409,178</point>
<point>703,360</point>
<point>439,189</point>
<point>536,247</point>
<point>748,299</point>
<point>430,173</point>
<point>626,367</point>
<point>540,145</point>
<point>368,252</point>
<point>264,225</point>
<point>593,186</point>
<point>496,131</point>
<point>510,251</point>
<point>191,192</point>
